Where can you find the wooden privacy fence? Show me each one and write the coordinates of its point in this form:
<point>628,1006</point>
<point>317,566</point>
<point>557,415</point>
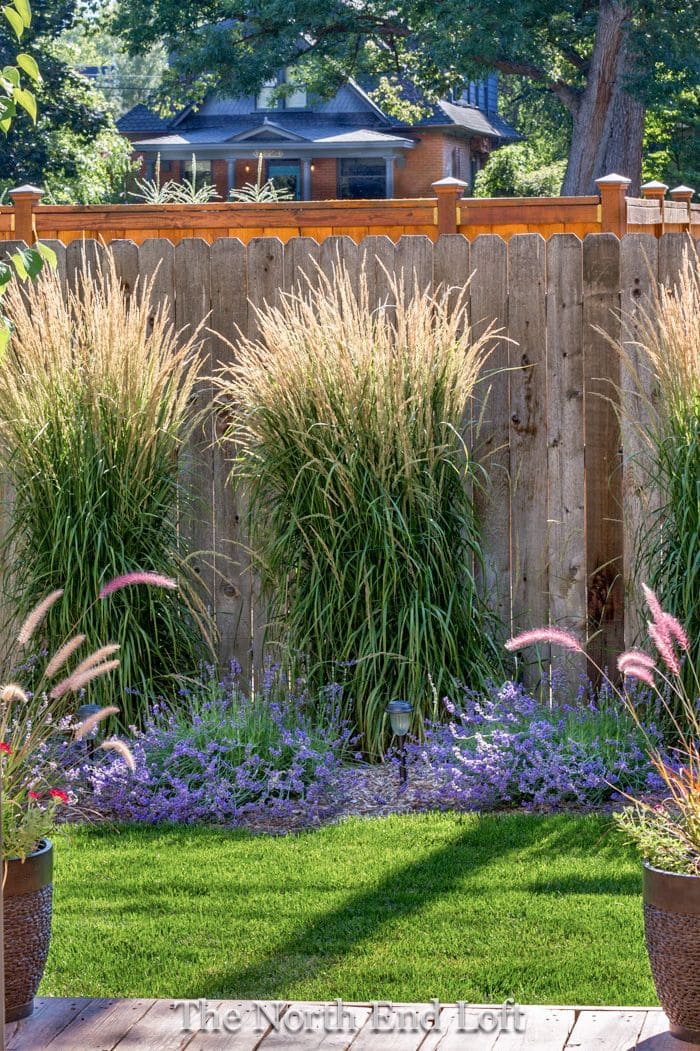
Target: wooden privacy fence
<point>610,211</point>
<point>564,497</point>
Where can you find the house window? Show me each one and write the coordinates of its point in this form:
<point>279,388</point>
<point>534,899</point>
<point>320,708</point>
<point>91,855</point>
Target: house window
<point>360,179</point>
<point>294,99</point>
<point>286,175</point>
<point>266,95</point>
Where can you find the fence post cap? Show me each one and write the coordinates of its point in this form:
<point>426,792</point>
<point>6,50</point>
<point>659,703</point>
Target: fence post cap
<point>654,189</point>
<point>682,193</point>
<point>26,191</point>
<point>449,184</point>
<point>613,180</point>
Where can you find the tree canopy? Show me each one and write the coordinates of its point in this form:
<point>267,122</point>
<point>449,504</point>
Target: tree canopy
<point>74,151</point>
<point>603,60</point>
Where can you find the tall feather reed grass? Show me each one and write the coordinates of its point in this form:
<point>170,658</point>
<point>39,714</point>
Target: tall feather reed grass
<point>347,433</point>
<point>94,393</point>
<point>668,365</point>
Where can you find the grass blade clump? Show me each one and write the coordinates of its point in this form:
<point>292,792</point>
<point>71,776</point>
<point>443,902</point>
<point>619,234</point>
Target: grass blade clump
<point>347,433</point>
<point>669,543</point>
<point>94,394</point>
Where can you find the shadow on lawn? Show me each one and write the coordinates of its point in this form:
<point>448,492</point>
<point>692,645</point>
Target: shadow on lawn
<point>404,893</point>
<point>623,885</point>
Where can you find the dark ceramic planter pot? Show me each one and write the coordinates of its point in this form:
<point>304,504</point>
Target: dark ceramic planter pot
<point>27,912</point>
<point>672,930</point>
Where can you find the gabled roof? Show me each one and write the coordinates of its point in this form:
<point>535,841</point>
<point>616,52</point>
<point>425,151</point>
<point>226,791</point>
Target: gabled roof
<point>141,118</point>
<point>471,118</point>
<point>267,129</point>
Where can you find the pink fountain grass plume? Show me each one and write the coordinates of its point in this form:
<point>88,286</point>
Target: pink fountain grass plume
<point>89,724</point>
<point>635,657</point>
<point>95,658</point>
<point>36,616</point>
<point>128,579</point>
<point>639,671</point>
<point>660,637</point>
<point>554,636</point>
<point>76,682</point>
<point>657,613</point>
<point>115,745</point>
<point>63,654</point>
<point>677,632</point>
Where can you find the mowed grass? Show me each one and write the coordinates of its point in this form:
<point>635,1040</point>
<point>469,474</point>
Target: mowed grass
<point>544,909</point>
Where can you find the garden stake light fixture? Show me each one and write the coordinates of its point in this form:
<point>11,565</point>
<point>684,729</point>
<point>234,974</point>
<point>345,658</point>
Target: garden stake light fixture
<point>400,713</point>
<point>86,711</point>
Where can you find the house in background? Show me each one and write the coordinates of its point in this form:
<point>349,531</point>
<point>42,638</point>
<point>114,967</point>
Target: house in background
<point>321,149</point>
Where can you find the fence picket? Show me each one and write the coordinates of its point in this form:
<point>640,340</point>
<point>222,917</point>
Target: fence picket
<point>229,317</point>
<point>488,293</point>
<point>565,446</point>
<point>604,542</point>
<point>528,433</point>
<point>638,266</point>
<point>192,286</point>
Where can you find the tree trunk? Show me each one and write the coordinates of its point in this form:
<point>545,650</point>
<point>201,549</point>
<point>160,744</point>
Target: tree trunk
<point>608,122</point>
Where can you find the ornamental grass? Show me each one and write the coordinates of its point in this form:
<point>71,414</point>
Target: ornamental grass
<point>668,363</point>
<point>348,432</point>
<point>94,406</point>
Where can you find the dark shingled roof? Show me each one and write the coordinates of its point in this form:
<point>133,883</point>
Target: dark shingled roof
<point>141,118</point>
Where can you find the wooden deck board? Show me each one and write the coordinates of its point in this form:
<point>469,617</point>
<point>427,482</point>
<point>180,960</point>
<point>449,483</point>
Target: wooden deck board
<point>83,1024</point>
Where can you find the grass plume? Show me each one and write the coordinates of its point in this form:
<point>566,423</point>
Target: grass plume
<point>347,431</point>
<point>95,393</point>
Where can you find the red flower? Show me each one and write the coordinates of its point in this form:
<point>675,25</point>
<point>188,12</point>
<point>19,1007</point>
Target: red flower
<point>5,748</point>
<point>34,795</point>
<point>58,793</point>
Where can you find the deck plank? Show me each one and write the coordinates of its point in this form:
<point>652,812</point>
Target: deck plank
<point>159,1029</point>
<point>100,1024</point>
<point>392,1035</point>
<point>451,1038</point>
<point>606,1031</point>
<point>50,1018</point>
<point>247,1037</point>
<point>546,1029</point>
<point>315,1038</point>
<point>656,1037</point>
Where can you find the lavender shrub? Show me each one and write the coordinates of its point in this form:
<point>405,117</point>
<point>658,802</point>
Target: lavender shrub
<point>507,749</point>
<point>218,756</point>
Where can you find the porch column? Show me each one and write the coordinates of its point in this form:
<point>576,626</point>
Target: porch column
<point>389,164</point>
<point>230,176</point>
<point>305,179</point>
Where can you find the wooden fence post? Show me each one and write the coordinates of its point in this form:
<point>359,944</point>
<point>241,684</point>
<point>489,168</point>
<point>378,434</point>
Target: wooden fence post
<point>613,204</point>
<point>684,194</point>
<point>448,191</point>
<point>25,199</point>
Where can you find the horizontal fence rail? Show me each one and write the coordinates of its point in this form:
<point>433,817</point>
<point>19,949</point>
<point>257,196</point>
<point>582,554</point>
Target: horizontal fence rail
<point>447,212</point>
<point>564,498</point>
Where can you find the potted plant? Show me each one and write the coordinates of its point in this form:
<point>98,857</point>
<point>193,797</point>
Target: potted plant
<point>31,728</point>
<point>666,830</point>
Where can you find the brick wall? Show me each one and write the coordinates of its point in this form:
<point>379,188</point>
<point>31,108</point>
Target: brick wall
<point>218,177</point>
<point>324,179</point>
<point>429,160</point>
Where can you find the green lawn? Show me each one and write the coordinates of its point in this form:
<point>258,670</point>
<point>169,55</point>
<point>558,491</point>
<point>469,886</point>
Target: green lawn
<point>545,909</point>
